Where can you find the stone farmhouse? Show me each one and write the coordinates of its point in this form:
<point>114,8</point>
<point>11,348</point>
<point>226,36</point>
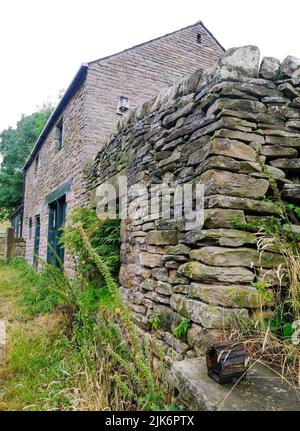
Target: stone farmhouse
<point>100,93</point>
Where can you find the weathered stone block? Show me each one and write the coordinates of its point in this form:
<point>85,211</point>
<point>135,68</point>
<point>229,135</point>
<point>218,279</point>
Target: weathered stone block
<point>228,296</point>
<point>160,274</point>
<point>209,316</point>
<point>178,249</point>
<point>288,141</point>
<point>247,204</point>
<point>170,120</point>
<point>224,147</point>
<point>154,296</point>
<point>286,163</point>
<point>213,274</point>
<point>217,217</point>
<point>225,237</point>
<point>292,191</point>
<point>295,124</point>
<point>181,288</point>
<point>151,260</point>
<point>148,284</point>
<point>238,63</point>
<point>172,264</point>
<point>289,66</point>
<point>278,151</point>
<point>228,183</point>
<point>222,256</point>
<point>269,68</point>
<point>242,136</point>
<point>179,346</point>
<point>200,338</point>
<point>288,90</point>
<point>163,288</point>
<point>218,162</point>
<point>236,105</point>
<point>162,237</point>
<point>130,273</point>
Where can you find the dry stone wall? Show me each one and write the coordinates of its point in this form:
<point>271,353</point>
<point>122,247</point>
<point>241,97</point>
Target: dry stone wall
<point>19,248</point>
<point>10,246</point>
<point>2,245</point>
<point>219,127</point>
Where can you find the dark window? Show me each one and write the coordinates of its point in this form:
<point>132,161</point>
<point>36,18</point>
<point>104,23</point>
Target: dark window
<point>19,228</point>
<point>199,38</point>
<point>59,134</point>
<point>36,164</point>
<point>30,228</point>
<point>123,105</point>
<point>36,248</point>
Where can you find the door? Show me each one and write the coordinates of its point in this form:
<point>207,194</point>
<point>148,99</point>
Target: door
<point>57,218</point>
<point>36,246</point>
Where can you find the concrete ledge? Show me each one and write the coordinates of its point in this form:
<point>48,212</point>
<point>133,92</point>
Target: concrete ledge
<point>262,390</point>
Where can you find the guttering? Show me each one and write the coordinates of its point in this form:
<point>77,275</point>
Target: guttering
<point>75,84</point>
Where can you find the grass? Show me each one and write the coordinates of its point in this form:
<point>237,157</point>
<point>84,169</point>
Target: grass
<point>57,364</point>
<point>45,369</point>
<point>36,346</point>
<point>73,343</point>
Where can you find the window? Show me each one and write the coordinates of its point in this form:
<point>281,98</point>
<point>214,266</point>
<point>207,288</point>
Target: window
<point>30,228</point>
<point>123,105</point>
<point>199,38</point>
<point>36,246</point>
<point>59,134</point>
<point>36,164</point>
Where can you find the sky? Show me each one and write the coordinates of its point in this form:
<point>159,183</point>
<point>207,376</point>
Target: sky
<point>43,42</point>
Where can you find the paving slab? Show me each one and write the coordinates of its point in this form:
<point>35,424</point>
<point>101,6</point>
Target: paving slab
<point>262,390</point>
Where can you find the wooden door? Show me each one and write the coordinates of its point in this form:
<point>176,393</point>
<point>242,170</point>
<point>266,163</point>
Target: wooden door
<point>57,218</point>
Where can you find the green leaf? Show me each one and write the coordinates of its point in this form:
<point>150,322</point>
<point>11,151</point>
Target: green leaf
<point>288,330</point>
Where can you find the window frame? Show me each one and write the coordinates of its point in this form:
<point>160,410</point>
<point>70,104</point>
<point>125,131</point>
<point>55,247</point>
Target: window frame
<point>36,164</point>
<point>59,133</point>
<point>30,229</point>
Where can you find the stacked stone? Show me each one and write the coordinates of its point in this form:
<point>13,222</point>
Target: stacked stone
<point>2,245</point>
<point>19,248</point>
<point>219,127</point>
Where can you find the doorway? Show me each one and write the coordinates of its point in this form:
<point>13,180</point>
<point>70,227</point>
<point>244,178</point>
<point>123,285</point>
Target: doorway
<point>57,218</point>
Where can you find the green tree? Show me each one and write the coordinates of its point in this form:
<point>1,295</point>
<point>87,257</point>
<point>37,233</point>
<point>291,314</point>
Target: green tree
<point>15,146</point>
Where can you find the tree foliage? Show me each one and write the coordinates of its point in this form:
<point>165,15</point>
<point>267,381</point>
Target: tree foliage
<point>15,146</point>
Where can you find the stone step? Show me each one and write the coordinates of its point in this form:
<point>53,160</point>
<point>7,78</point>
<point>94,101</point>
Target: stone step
<point>262,390</point>
<point>292,191</point>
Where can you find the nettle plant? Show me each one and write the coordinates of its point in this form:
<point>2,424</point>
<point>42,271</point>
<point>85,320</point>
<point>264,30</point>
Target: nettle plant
<point>276,233</point>
<point>278,323</point>
<point>109,325</point>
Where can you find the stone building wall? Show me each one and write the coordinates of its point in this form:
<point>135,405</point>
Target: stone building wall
<point>90,116</point>
<point>55,168</point>
<point>139,73</point>
<point>222,128</point>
